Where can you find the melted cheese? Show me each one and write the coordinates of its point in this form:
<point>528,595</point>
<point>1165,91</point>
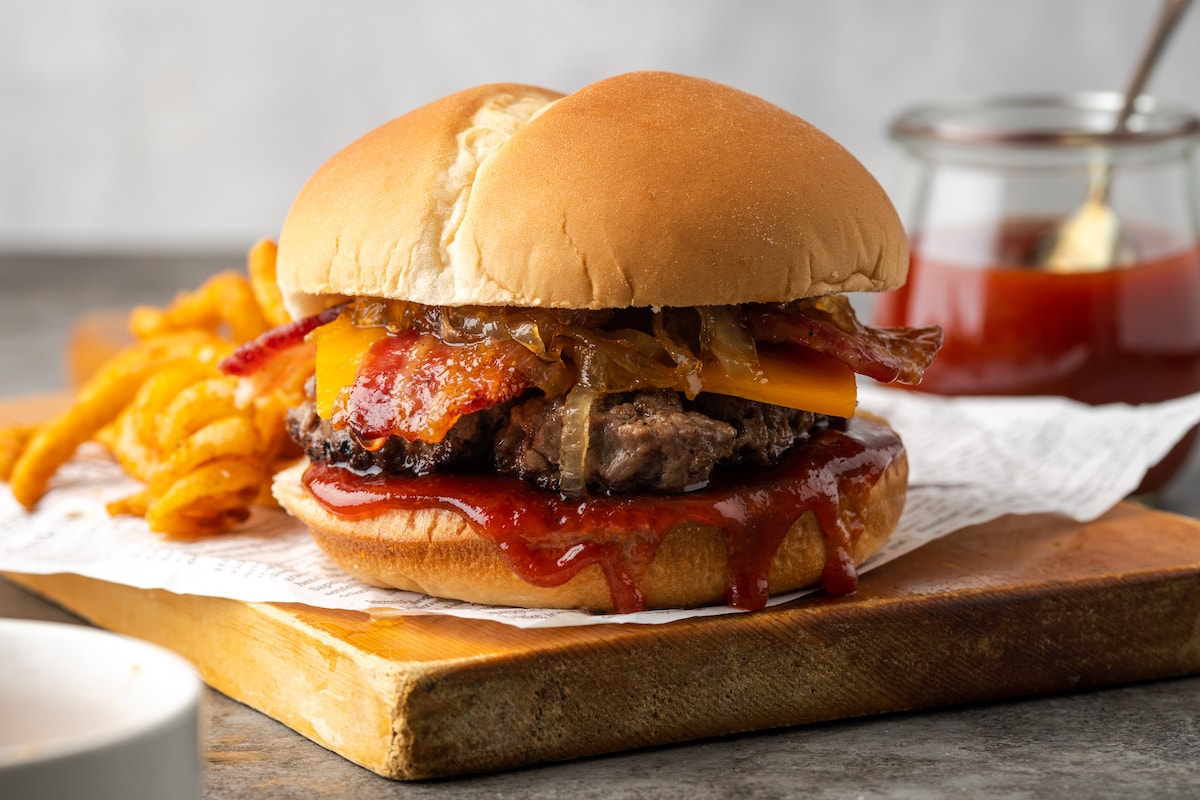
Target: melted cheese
<point>341,347</point>
<point>793,377</point>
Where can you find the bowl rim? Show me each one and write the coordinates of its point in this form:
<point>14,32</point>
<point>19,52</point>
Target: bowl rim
<point>180,704</point>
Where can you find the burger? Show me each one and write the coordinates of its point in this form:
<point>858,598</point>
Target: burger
<point>593,350</point>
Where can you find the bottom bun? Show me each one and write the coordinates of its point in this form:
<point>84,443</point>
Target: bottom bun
<point>438,553</point>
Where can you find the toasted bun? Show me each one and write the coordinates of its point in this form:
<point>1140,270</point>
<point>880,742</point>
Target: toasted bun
<point>645,189</point>
<point>438,553</point>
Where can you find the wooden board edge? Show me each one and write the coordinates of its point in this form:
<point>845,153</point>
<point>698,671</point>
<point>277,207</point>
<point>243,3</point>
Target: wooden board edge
<point>351,708</point>
<point>830,664</point>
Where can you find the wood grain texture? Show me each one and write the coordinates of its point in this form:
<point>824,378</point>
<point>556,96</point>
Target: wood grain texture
<point>1018,607</point>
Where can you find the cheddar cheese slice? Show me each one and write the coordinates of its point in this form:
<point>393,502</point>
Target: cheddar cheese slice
<point>341,346</point>
<point>794,377</point>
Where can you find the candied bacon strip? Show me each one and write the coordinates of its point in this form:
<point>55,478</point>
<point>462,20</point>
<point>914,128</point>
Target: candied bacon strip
<point>372,410</point>
<point>418,386</point>
<point>829,325</point>
<point>256,353</point>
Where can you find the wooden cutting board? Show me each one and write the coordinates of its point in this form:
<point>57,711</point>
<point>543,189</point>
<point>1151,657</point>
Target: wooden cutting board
<point>1018,607</point>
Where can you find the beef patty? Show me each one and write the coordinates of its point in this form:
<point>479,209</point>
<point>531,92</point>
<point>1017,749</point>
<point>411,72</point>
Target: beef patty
<point>637,441</point>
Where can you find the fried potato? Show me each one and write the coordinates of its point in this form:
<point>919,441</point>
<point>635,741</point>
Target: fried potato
<point>213,497</point>
<point>225,302</point>
<point>100,400</point>
<point>135,505</point>
<point>198,450</point>
<point>193,408</point>
<point>13,439</point>
<point>204,444</point>
<point>261,266</point>
<point>231,437</point>
<point>130,438</point>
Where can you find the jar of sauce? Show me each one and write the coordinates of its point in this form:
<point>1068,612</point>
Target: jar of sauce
<point>989,181</point>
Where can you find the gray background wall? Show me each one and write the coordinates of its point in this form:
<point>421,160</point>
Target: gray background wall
<point>136,124</point>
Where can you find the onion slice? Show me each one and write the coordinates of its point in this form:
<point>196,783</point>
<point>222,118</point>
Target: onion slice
<point>573,445</point>
<point>723,336</point>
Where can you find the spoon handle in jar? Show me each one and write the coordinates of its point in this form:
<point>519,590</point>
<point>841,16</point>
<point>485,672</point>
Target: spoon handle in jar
<point>1168,18</point>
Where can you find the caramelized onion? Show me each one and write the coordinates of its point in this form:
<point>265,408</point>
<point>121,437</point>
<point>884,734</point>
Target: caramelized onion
<point>620,361</point>
<point>723,336</point>
<point>687,365</point>
<point>527,333</point>
<point>573,446</point>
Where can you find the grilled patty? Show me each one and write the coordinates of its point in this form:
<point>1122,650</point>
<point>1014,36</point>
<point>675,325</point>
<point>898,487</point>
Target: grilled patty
<point>637,441</point>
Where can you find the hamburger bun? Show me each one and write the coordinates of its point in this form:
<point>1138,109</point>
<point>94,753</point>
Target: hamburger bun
<point>438,553</point>
<point>644,189</point>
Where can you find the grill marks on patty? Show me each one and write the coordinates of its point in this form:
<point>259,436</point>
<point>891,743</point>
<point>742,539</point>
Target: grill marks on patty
<point>637,441</point>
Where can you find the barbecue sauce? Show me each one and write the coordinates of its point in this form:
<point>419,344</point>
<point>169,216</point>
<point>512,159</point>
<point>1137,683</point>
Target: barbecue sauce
<point>1127,335</point>
<point>537,530</point>
<point>1119,335</point>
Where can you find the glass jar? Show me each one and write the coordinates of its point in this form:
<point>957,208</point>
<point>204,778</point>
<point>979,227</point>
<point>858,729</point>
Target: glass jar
<point>989,179</point>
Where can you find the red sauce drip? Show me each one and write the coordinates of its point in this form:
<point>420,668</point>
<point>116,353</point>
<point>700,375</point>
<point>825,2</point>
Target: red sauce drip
<point>537,531</point>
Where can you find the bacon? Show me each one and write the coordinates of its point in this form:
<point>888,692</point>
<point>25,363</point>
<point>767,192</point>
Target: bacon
<point>829,325</point>
<point>418,386</point>
<point>255,354</point>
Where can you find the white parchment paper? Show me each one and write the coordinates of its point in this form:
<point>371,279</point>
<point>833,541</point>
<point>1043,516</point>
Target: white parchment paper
<point>971,460</point>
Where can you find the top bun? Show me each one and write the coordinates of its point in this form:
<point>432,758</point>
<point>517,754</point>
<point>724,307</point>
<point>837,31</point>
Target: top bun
<point>644,189</point>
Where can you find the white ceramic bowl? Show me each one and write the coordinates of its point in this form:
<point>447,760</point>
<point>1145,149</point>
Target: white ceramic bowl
<point>89,714</point>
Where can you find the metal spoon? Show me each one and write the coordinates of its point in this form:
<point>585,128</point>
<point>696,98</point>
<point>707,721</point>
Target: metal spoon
<point>1091,239</point>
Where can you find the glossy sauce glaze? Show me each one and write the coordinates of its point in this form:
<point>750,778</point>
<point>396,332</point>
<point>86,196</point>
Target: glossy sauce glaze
<point>537,531</point>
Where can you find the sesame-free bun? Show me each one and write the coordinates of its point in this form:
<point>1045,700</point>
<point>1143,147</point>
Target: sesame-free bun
<point>438,553</point>
<point>644,189</point>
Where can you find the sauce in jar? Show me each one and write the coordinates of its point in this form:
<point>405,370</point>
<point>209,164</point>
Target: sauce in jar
<point>1121,335</point>
<point>989,177</point>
